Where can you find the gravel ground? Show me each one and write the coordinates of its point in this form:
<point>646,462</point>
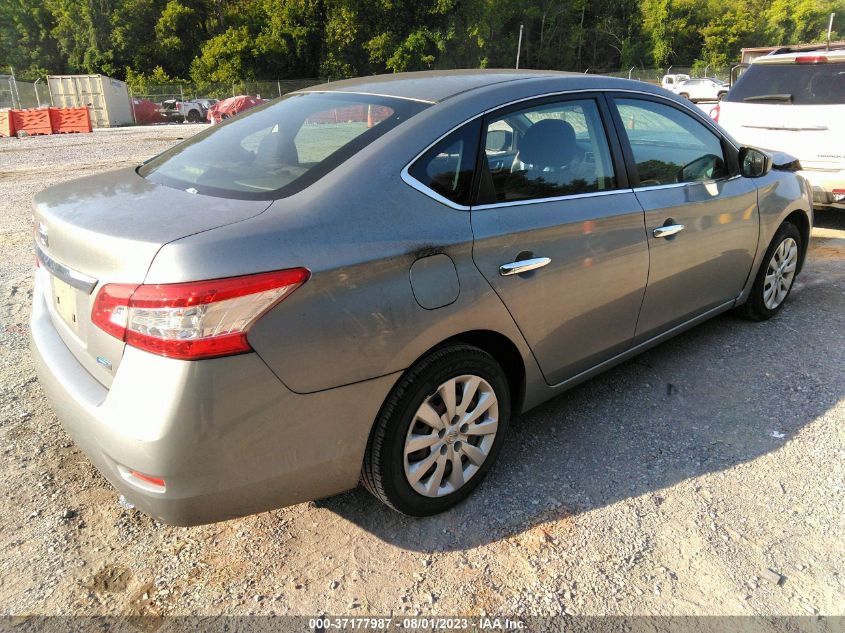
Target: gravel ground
<point>673,484</point>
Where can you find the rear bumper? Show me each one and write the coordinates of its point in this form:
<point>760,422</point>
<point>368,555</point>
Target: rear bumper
<point>823,183</point>
<point>225,434</point>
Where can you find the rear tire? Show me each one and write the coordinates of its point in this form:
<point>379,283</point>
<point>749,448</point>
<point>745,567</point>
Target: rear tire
<point>684,95</point>
<point>438,432</point>
<point>776,276</point>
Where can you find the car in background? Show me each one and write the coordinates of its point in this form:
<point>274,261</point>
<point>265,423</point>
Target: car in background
<point>146,112</point>
<point>794,101</point>
<point>228,108</point>
<point>205,105</point>
<point>670,81</point>
<point>701,89</point>
<point>365,280</point>
<point>181,111</point>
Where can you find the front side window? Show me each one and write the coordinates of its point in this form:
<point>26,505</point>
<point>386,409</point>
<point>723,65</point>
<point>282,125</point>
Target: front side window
<point>280,148</point>
<point>546,151</point>
<point>669,146</point>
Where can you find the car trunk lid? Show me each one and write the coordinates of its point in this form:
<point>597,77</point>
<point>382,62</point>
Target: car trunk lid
<point>107,229</point>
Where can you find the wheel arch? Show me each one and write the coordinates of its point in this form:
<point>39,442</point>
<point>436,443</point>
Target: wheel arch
<point>799,219</point>
<point>506,354</point>
<point>502,349</point>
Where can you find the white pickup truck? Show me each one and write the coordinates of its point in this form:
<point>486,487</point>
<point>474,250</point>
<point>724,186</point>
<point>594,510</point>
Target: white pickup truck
<point>702,89</point>
<point>180,111</point>
<point>670,82</point>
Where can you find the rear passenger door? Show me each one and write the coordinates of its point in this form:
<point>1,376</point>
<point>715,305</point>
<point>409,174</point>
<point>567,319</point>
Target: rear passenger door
<point>558,233</point>
<point>701,217</point>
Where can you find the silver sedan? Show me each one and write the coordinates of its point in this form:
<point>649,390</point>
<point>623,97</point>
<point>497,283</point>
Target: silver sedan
<point>364,281</point>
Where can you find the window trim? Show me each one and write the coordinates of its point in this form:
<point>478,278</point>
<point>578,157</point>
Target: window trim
<point>409,180</point>
<point>729,150</point>
<point>613,136</point>
<point>423,188</point>
<point>571,196</point>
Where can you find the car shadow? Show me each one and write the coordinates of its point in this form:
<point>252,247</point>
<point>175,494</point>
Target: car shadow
<point>719,395</point>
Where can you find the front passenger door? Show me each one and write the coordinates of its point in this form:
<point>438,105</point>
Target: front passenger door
<point>701,218</point>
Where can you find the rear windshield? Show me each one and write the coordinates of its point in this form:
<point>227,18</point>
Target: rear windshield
<point>277,149</point>
<point>798,84</point>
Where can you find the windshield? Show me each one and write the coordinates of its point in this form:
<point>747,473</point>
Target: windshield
<point>798,84</point>
<point>278,149</point>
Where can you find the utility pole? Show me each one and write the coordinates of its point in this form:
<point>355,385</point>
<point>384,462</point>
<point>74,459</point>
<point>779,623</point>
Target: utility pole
<point>519,45</point>
<point>581,32</point>
<point>829,29</point>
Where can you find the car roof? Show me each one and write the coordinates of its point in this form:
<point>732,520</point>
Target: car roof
<point>436,85</point>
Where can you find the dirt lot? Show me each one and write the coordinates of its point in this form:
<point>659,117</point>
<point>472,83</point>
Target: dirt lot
<point>669,485</point>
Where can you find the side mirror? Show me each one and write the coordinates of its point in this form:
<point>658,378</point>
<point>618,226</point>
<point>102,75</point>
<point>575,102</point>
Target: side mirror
<point>754,163</point>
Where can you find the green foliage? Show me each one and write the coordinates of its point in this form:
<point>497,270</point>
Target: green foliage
<point>228,41</point>
<point>139,82</point>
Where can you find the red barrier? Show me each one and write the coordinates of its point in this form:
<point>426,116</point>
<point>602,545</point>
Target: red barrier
<point>67,120</point>
<point>34,121</point>
<point>7,126</point>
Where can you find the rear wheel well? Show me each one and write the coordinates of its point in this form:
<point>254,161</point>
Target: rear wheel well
<point>802,222</point>
<point>506,354</point>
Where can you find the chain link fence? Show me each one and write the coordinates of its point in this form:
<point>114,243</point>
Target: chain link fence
<point>269,89</point>
<point>654,75</point>
<point>22,94</point>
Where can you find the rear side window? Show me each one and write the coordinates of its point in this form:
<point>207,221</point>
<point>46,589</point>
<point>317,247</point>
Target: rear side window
<point>447,168</point>
<point>280,148</point>
<point>798,84</point>
<point>546,151</point>
<point>669,146</point>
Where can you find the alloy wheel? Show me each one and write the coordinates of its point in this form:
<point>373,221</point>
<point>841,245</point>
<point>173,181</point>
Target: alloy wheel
<point>780,273</point>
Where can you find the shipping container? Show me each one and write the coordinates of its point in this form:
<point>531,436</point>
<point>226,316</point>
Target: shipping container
<point>106,98</point>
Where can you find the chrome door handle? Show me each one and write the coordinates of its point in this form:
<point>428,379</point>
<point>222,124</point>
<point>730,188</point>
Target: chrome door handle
<point>666,231</point>
<point>523,266</point>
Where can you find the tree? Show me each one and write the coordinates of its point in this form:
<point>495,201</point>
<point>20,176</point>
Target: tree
<point>26,43</point>
<point>233,40</point>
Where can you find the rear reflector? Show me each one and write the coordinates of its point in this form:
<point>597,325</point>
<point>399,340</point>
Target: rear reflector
<point>156,481</point>
<point>811,59</point>
<point>198,319</point>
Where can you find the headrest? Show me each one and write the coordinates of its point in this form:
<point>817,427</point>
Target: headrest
<point>275,148</point>
<point>548,143</point>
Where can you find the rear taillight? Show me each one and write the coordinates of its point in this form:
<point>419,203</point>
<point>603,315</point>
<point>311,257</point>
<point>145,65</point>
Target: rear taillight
<point>198,319</point>
<point>714,113</point>
<point>811,59</point>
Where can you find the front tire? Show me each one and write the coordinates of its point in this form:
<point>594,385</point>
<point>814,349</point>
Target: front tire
<point>439,431</point>
<point>776,276</point>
